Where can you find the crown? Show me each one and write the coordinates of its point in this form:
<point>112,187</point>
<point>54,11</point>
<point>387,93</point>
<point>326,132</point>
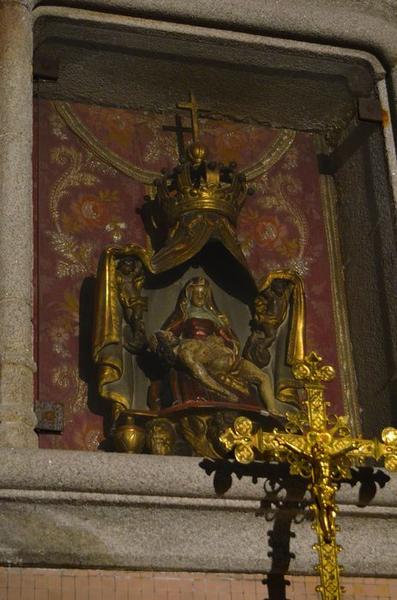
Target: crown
<point>197,184</point>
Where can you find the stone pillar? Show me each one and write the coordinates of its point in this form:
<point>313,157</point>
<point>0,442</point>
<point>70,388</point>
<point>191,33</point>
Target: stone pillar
<point>17,418</point>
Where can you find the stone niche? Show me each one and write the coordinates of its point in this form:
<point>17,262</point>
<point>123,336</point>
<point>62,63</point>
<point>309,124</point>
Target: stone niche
<point>147,512</point>
<point>331,92</point>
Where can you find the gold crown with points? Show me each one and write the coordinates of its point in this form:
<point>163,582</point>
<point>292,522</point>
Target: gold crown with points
<point>199,185</point>
<point>202,186</point>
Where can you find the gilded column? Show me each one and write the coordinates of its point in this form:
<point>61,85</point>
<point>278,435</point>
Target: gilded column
<point>17,418</point>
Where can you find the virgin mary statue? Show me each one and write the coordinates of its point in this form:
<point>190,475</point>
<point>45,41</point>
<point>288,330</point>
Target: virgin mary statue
<point>203,354</point>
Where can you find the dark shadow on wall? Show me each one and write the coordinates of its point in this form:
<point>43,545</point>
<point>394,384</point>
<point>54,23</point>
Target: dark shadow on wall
<point>284,504</point>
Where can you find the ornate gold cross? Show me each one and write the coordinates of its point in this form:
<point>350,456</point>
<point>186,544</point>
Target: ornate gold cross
<point>320,448</point>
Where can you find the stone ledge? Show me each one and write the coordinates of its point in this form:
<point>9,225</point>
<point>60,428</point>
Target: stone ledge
<point>69,508</point>
<point>171,476</point>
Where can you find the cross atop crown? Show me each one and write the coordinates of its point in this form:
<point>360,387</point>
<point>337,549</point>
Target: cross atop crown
<point>192,106</point>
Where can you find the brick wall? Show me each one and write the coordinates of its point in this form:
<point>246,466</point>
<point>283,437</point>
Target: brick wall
<point>69,584</point>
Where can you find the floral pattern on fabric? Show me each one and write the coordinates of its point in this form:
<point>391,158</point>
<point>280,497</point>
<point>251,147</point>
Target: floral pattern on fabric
<point>83,204</point>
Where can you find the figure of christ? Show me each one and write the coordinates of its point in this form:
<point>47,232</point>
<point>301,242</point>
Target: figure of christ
<point>198,339</point>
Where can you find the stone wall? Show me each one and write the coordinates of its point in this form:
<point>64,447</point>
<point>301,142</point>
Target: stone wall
<point>117,511</point>
<point>133,512</point>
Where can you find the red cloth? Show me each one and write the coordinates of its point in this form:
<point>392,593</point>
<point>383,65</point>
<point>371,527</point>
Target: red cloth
<point>199,328</point>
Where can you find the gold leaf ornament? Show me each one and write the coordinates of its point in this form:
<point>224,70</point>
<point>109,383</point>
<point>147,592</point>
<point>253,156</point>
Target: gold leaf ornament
<point>244,454</point>
<point>389,450</point>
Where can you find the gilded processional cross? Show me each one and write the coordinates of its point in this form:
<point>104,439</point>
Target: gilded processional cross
<point>320,448</point>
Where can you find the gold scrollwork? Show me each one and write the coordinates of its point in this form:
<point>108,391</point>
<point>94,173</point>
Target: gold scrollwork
<point>264,162</point>
<point>312,370</point>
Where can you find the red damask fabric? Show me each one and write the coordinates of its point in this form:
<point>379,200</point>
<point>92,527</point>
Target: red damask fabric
<point>83,204</point>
